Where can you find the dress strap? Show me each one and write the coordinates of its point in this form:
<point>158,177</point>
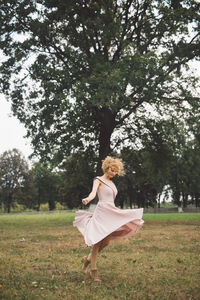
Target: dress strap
<point>100,179</point>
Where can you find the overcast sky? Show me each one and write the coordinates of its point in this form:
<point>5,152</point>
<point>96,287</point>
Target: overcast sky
<point>12,132</point>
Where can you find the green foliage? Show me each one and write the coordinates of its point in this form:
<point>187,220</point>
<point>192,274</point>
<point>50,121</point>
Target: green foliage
<point>29,193</point>
<point>47,183</point>
<point>95,65</point>
<point>13,172</point>
<point>168,160</point>
<point>24,187</point>
<point>77,176</point>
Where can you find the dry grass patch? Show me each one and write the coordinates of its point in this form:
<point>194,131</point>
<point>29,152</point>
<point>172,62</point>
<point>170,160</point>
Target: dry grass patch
<point>40,259</point>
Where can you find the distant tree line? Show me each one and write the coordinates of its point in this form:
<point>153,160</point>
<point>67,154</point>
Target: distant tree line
<point>166,161</point>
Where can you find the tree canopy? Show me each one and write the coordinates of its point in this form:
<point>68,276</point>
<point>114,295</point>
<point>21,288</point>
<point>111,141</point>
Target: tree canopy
<point>83,75</point>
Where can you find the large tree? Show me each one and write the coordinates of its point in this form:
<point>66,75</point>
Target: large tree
<point>83,74</point>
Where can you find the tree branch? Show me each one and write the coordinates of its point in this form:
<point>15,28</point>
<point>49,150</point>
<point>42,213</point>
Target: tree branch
<point>180,99</point>
<point>119,47</point>
<point>133,109</point>
<point>120,141</point>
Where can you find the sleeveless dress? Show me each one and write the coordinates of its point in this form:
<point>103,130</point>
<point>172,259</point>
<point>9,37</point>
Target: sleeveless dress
<point>107,219</point>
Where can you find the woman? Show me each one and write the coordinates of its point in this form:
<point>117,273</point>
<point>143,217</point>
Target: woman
<point>107,222</point>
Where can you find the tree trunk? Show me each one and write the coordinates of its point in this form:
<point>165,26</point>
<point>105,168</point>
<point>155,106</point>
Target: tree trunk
<point>185,199</point>
<point>159,200</point>
<point>141,199</point>
<point>120,198</point>
<point>9,203</point>
<point>39,199</point>
<point>107,126</point>
<point>176,196</point>
<point>51,204</point>
<point>197,202</point>
<point>130,194</point>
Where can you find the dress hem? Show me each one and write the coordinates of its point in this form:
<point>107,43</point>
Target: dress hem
<point>130,233</point>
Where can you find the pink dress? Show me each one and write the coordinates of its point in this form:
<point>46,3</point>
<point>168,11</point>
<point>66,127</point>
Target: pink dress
<point>107,219</point>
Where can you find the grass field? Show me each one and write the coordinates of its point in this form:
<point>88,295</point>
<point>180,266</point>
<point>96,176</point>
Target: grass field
<point>40,259</point>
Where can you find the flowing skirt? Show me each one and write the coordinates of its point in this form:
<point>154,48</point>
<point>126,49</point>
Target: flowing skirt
<point>106,220</point>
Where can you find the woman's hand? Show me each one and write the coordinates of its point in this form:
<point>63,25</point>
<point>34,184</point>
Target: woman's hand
<point>85,201</point>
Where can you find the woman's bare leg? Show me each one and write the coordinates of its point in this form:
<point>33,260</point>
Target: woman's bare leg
<point>104,243</point>
<point>93,271</point>
<point>93,255</point>
<point>87,259</point>
<point>89,256</point>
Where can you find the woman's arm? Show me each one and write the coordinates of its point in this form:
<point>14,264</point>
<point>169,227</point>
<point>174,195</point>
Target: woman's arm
<point>92,195</point>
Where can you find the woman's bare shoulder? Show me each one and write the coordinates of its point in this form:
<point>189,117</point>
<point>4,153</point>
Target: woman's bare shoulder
<point>97,179</point>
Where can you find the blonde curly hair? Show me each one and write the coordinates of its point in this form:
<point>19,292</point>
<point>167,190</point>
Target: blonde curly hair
<point>110,162</point>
